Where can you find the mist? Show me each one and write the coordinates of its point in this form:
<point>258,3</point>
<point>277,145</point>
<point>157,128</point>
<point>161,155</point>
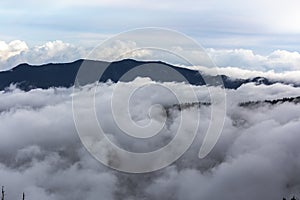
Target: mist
<point>256,157</point>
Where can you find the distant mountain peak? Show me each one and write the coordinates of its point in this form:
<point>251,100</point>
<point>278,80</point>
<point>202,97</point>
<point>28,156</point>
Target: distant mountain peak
<point>44,76</point>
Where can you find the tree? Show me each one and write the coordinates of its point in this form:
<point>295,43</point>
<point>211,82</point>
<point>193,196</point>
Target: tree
<point>2,193</point>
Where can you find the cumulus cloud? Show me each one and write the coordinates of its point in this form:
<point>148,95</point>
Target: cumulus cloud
<point>257,156</point>
<point>16,52</point>
<point>8,50</point>
<point>279,60</point>
<point>119,49</point>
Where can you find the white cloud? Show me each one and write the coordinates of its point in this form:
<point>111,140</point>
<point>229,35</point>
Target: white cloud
<point>279,63</point>
<point>8,50</point>
<point>17,52</point>
<point>279,60</point>
<point>119,49</point>
<point>285,59</point>
<point>257,156</point>
<point>235,72</point>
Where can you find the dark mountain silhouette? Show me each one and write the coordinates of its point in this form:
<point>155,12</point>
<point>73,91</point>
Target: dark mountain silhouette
<point>45,76</point>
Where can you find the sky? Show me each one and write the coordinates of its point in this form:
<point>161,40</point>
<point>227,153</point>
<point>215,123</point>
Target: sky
<point>256,35</point>
<point>263,26</point>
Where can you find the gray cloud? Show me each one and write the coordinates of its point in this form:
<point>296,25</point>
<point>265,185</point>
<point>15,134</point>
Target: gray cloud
<point>257,156</point>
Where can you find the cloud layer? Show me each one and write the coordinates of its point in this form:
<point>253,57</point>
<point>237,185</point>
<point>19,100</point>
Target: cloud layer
<point>257,156</point>
<point>16,52</point>
<point>228,21</point>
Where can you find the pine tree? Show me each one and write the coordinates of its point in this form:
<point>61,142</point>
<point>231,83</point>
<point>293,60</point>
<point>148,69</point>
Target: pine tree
<point>2,192</point>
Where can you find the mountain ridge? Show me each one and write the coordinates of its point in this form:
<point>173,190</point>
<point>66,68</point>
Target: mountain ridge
<point>27,77</point>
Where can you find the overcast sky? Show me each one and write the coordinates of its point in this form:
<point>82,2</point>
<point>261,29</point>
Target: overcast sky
<point>263,26</point>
